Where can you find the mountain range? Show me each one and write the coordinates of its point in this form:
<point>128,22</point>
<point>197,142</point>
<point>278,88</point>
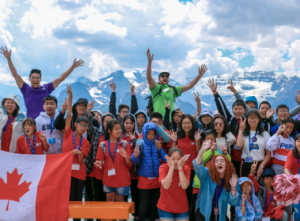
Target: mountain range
<point>269,86</point>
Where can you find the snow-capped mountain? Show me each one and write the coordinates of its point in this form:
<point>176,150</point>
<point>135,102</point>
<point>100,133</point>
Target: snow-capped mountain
<point>269,86</point>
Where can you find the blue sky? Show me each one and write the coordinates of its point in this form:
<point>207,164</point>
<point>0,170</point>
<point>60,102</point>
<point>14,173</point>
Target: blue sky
<point>114,35</point>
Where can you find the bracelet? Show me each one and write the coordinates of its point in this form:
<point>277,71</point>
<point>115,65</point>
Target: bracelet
<point>132,94</point>
<point>261,166</point>
<point>214,91</point>
<point>243,204</point>
<point>180,170</point>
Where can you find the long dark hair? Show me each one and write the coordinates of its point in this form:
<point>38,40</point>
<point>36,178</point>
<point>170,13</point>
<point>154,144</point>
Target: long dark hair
<point>259,128</point>
<point>226,127</point>
<point>110,125</point>
<point>127,116</point>
<point>295,150</point>
<point>181,132</point>
<point>204,134</point>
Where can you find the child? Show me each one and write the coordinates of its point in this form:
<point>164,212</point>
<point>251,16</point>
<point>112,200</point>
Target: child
<point>32,142</point>
<point>114,156</point>
<point>248,207</point>
<point>75,142</point>
<point>11,119</point>
<point>292,166</point>
<point>281,144</point>
<point>205,119</point>
<point>148,157</point>
<point>141,119</point>
<point>174,178</point>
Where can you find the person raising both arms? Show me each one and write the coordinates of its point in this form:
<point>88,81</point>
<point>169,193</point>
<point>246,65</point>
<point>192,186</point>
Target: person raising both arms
<point>161,92</point>
<point>36,93</point>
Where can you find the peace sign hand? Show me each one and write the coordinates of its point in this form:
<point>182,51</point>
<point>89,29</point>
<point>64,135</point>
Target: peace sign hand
<point>231,87</point>
<point>281,129</point>
<point>270,113</point>
<point>64,106</point>
<point>132,135</point>
<point>224,149</point>
<point>132,87</point>
<point>69,90</point>
<point>197,97</point>
<point>242,124</point>
<point>136,151</point>
<point>254,166</point>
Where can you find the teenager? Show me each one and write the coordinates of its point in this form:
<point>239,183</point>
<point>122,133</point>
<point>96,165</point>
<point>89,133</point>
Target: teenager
<point>45,124</point>
<point>11,119</point>
<point>141,119</point>
<point>36,93</point>
<point>205,119</point>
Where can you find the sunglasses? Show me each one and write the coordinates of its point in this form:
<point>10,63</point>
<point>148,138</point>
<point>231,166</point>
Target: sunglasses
<point>164,76</point>
<point>83,125</point>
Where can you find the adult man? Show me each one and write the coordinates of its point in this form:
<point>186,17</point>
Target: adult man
<point>34,94</point>
<point>165,91</point>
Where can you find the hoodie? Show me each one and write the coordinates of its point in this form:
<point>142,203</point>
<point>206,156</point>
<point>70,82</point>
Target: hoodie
<point>150,156</point>
<point>137,130</point>
<point>43,124</point>
<point>253,211</point>
<point>252,98</point>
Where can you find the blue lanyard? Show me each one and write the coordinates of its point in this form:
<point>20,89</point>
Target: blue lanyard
<point>74,144</point>
<point>51,125</point>
<point>115,151</point>
<point>125,139</point>
<point>32,145</point>
<point>7,123</point>
<point>252,140</point>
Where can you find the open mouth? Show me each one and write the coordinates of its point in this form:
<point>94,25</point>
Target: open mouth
<point>220,167</point>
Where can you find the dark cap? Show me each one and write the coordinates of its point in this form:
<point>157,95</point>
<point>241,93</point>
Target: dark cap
<point>82,101</point>
<point>161,73</point>
<point>268,172</point>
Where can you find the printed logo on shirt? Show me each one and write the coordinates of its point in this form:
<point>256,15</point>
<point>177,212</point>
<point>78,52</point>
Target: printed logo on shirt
<point>166,89</point>
<point>286,146</point>
<point>39,144</point>
<point>255,147</point>
<point>46,127</point>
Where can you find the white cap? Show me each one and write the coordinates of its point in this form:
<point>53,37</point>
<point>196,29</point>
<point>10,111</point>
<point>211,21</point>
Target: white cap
<point>13,97</point>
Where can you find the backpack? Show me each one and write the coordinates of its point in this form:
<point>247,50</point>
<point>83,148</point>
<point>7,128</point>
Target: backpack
<point>149,107</point>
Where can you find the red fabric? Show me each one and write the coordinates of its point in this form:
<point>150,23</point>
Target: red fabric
<point>255,183</point>
<point>283,152</point>
<point>68,146</point>
<point>97,171</point>
<point>236,153</point>
<point>174,199</point>
<point>188,146</point>
<point>54,188</point>
<point>122,176</point>
<point>195,190</point>
<point>6,136</point>
<point>23,147</point>
<point>292,163</point>
<point>146,183</point>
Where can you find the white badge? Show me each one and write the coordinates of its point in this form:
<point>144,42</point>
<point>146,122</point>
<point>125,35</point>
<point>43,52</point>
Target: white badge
<point>111,172</point>
<point>75,166</point>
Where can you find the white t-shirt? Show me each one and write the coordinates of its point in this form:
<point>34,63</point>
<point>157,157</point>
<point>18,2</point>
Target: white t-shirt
<point>259,146</point>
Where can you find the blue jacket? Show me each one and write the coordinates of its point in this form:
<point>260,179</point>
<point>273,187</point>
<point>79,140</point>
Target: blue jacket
<point>206,194</point>
<point>150,156</point>
<point>254,212</point>
<point>252,98</point>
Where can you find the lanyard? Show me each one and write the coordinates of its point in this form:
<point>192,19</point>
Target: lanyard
<point>51,125</point>
<point>252,140</point>
<point>7,123</point>
<point>125,139</point>
<point>298,166</point>
<point>115,151</point>
<point>32,145</point>
<point>73,141</point>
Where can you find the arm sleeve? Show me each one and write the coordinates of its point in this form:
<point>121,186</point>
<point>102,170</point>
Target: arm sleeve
<point>100,154</point>
<point>179,90</point>
<point>112,104</point>
<point>135,160</point>
<point>295,111</point>
<point>273,143</point>
<point>134,105</point>
<point>200,170</point>
<point>255,183</point>
<point>161,132</point>
<point>222,107</point>
<point>50,87</point>
<point>162,155</point>
<point>207,156</point>
<point>289,161</point>
<point>59,122</point>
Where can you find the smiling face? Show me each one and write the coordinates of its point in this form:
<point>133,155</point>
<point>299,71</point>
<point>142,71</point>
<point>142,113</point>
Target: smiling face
<point>123,112</point>
<point>246,187</point>
<point>29,129</point>
<point>10,106</point>
<point>263,109</point>
<point>238,111</point>
<point>128,125</point>
<point>282,113</point>
<point>115,133</point>
<point>220,165</point>
<point>50,107</point>
<point>253,121</point>
<point>187,125</point>
<point>80,109</point>
<point>206,119</point>
<point>219,125</point>
<point>35,80</point>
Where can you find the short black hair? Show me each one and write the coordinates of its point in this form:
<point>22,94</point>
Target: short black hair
<point>50,97</point>
<point>281,106</point>
<point>239,103</point>
<point>38,71</point>
<point>82,119</point>
<point>288,120</point>
<point>29,121</point>
<point>121,106</point>
<point>204,134</point>
<point>264,102</point>
<point>156,115</point>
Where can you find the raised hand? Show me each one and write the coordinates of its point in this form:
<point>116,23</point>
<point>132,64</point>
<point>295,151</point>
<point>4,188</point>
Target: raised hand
<point>270,113</point>
<point>254,166</point>
<point>5,52</point>
<point>149,55</point>
<point>132,135</point>
<point>181,162</point>
<point>77,63</point>
<point>213,147</point>
<point>98,163</point>
<point>224,149</point>
<point>212,85</point>
<point>242,124</point>
<point>233,180</point>
<point>281,129</point>
<point>202,69</point>
<point>206,145</point>
<point>197,97</point>
<point>231,87</point>
<point>64,106</point>
<point>42,136</point>
<point>136,151</point>
<point>113,86</point>
<point>69,90</point>
<point>90,105</point>
<point>197,135</point>
<point>170,162</point>
<point>173,135</point>
<point>132,87</point>
<point>123,153</point>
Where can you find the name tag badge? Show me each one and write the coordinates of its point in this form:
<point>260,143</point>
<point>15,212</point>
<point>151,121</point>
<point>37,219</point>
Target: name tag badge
<point>75,166</point>
<point>51,141</point>
<point>249,160</point>
<point>236,147</point>
<point>151,178</point>
<point>111,172</point>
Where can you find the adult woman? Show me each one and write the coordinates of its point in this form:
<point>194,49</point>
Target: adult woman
<point>10,123</point>
<point>253,139</point>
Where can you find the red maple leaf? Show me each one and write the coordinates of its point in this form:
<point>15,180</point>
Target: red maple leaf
<point>12,190</point>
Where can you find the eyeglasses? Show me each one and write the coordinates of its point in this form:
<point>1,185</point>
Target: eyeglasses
<point>164,76</point>
<point>219,124</point>
<point>83,125</point>
<point>81,105</point>
<point>283,111</point>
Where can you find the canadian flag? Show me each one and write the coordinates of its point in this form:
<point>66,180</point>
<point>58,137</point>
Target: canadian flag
<point>35,187</point>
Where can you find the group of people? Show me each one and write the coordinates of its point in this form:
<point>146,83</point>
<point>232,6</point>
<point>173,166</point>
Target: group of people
<point>174,165</point>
